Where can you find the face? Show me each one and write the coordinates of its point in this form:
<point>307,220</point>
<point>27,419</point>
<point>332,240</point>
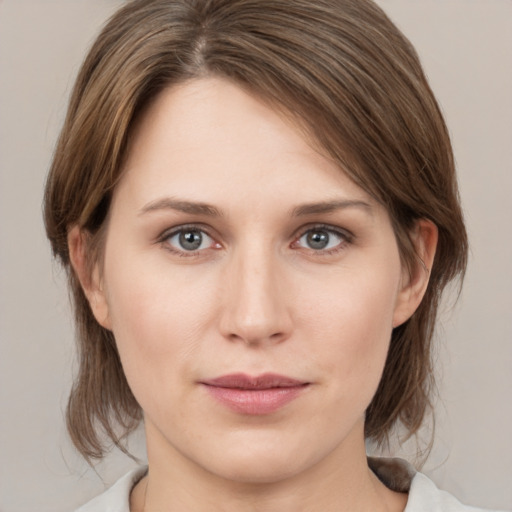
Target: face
<point>251,287</point>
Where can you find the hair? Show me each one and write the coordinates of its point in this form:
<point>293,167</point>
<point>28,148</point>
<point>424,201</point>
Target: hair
<point>346,74</point>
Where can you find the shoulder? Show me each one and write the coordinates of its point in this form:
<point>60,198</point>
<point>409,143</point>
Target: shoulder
<point>424,496</point>
<point>117,498</point>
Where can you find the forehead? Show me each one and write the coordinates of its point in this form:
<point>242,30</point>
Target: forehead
<point>209,136</point>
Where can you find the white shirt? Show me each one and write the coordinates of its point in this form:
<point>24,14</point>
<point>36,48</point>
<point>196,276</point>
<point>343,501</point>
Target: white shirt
<point>397,474</point>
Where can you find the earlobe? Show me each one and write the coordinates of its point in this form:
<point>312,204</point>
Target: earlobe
<point>414,283</point>
<point>89,277</point>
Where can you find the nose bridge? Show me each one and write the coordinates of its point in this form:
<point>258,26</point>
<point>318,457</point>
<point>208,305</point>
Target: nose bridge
<point>256,308</point>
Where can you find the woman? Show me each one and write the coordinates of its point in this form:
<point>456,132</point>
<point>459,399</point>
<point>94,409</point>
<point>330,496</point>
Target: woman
<point>257,206</point>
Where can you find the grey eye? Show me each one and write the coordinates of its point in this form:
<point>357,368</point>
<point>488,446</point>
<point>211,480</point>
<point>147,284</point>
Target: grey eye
<point>190,240</point>
<point>320,239</point>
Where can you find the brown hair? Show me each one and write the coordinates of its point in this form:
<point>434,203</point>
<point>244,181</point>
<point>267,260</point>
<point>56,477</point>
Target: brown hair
<point>353,81</point>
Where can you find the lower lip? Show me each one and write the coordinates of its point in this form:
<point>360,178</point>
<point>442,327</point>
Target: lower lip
<point>255,401</point>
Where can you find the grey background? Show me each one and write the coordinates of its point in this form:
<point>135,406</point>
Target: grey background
<point>466,48</point>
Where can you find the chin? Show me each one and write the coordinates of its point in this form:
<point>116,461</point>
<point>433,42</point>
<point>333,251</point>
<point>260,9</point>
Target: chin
<point>259,469</point>
<point>263,459</point>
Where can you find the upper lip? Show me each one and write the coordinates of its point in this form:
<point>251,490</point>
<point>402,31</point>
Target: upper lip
<point>264,381</point>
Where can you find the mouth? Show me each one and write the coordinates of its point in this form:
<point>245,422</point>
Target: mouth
<point>258,395</point>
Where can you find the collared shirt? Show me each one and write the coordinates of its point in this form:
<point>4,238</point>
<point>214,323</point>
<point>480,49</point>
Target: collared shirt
<point>396,474</point>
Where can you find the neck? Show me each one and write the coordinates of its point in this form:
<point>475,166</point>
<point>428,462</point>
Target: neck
<point>340,481</point>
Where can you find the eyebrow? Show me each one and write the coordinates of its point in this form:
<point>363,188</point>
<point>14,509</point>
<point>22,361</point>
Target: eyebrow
<point>192,207</point>
<point>330,207</point>
<point>198,208</point>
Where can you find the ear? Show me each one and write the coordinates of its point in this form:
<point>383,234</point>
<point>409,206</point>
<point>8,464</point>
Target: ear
<point>424,237</point>
<point>90,279</point>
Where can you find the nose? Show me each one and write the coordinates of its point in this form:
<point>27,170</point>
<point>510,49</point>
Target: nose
<point>255,300</point>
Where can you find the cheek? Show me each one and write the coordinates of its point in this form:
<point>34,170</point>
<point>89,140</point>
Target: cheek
<point>158,320</point>
<point>351,319</point>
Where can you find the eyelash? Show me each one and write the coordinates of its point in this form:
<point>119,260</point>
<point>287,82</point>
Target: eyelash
<point>346,238</point>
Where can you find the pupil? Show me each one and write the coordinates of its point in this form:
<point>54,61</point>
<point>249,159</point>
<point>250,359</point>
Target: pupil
<point>318,239</point>
<point>191,240</point>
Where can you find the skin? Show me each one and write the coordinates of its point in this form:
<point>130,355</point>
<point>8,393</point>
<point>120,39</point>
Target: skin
<point>255,297</point>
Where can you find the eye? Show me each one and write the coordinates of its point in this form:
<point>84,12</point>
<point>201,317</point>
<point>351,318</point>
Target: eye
<point>322,239</point>
<point>188,239</point>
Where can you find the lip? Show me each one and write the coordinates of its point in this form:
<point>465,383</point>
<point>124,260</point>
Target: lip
<point>255,395</point>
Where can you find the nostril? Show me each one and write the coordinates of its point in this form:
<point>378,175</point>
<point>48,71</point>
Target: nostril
<point>256,339</point>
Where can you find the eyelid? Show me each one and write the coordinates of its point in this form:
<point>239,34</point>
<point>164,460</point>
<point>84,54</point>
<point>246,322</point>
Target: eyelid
<point>345,233</point>
<point>167,232</point>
